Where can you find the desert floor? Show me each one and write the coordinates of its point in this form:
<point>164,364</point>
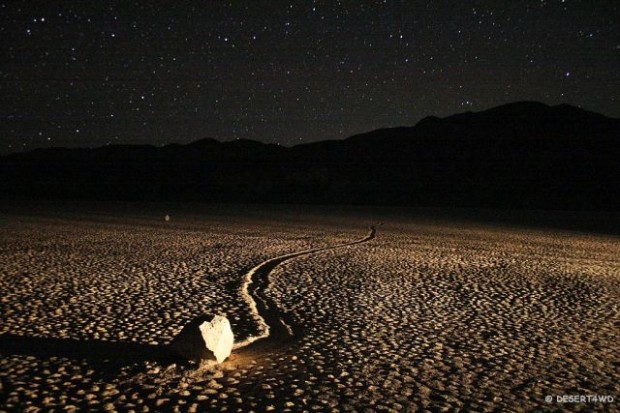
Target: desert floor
<point>432,314</point>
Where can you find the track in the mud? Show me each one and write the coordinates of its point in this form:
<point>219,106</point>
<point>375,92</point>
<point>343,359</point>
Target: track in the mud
<point>275,325</point>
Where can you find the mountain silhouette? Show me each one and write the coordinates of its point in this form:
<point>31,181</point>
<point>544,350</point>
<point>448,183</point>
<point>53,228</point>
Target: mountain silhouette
<point>519,155</point>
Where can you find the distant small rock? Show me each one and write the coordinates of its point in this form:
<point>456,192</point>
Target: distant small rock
<point>167,218</point>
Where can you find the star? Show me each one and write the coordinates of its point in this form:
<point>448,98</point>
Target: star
<point>244,61</point>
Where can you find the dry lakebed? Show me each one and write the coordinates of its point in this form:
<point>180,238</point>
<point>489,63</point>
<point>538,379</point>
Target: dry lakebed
<point>348,309</point>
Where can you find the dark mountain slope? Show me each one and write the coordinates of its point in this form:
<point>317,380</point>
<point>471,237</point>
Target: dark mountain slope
<point>524,154</point>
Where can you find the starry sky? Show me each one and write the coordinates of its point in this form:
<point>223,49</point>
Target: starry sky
<point>91,73</point>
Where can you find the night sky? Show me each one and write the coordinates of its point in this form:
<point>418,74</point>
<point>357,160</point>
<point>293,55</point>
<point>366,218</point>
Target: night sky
<point>81,73</point>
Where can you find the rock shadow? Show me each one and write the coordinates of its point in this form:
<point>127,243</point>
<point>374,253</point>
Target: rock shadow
<point>187,346</point>
<point>110,355</point>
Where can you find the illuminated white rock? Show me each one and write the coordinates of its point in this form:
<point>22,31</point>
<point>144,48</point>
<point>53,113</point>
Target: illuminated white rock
<point>206,337</point>
<point>167,218</point>
<point>218,337</point>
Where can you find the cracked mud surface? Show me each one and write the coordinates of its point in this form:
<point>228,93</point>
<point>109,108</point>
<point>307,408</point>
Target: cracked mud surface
<point>426,316</point>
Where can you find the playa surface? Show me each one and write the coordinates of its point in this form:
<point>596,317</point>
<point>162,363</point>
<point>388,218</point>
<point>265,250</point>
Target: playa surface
<point>427,314</point>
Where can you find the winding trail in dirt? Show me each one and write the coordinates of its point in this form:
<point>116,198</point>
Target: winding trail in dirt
<point>275,324</point>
